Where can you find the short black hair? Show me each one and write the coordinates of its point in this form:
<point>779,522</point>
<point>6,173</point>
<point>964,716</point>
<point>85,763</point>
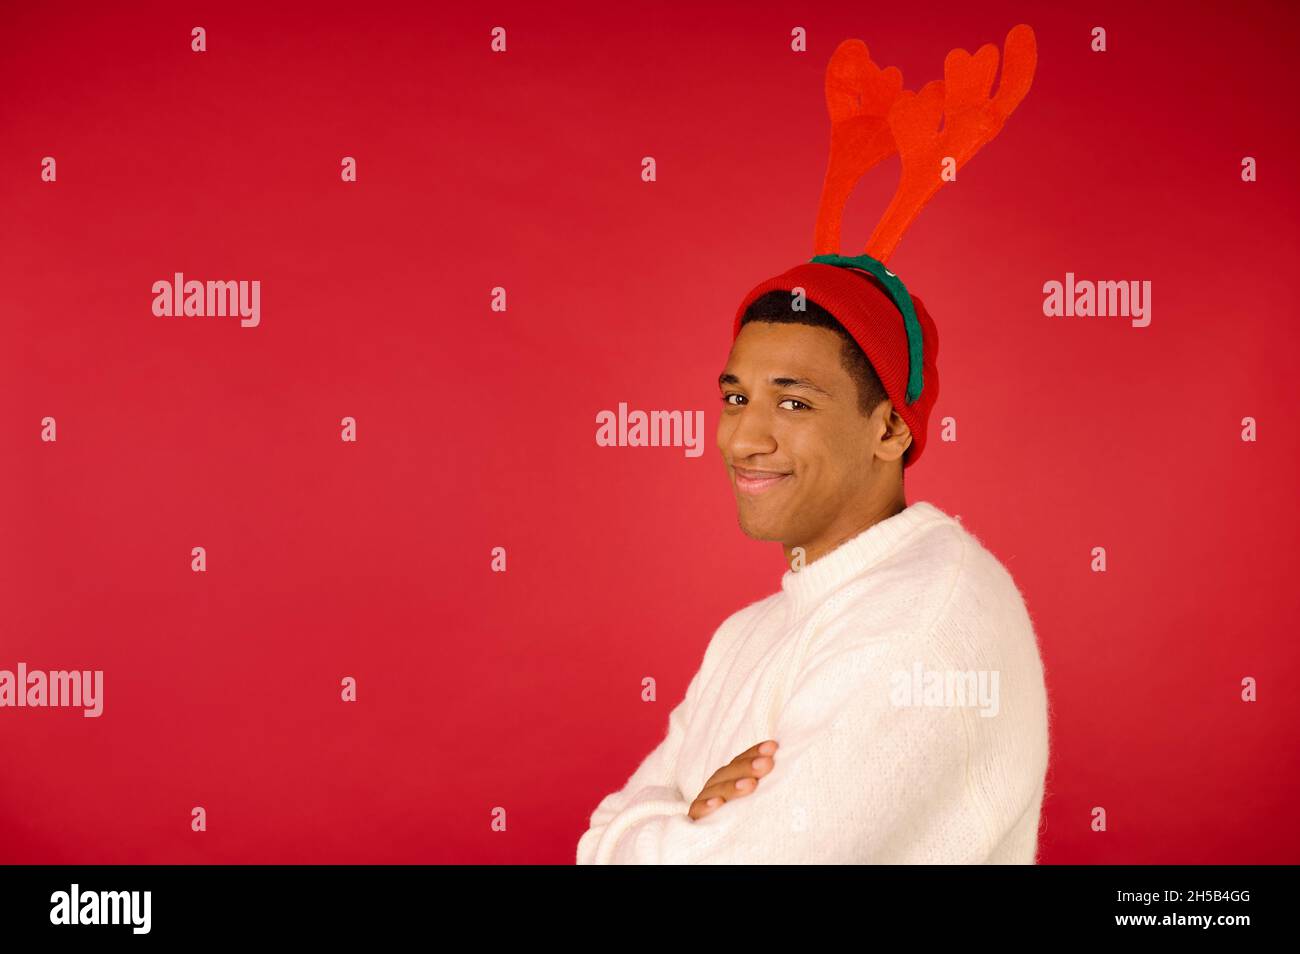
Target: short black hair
<point>778,307</point>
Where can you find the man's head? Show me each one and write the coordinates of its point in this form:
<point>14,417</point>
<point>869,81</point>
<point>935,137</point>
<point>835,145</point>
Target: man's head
<point>811,440</point>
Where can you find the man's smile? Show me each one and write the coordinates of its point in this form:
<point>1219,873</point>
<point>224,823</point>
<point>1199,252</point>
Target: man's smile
<point>757,481</point>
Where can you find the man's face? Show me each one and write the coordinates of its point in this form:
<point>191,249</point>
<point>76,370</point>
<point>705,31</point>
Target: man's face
<point>799,452</point>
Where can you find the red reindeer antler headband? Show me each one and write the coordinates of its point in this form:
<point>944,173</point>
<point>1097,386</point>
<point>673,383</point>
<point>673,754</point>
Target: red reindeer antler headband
<point>872,117</point>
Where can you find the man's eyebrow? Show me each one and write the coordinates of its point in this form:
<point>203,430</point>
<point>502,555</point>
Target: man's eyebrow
<point>781,382</point>
<point>802,383</point>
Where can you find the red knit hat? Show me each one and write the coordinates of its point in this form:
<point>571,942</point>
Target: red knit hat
<point>872,118</point>
<point>867,313</point>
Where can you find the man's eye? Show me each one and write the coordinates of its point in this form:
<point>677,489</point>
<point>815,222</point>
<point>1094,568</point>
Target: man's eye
<point>793,401</point>
<point>726,398</point>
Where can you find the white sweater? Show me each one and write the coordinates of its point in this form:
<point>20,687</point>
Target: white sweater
<point>854,668</point>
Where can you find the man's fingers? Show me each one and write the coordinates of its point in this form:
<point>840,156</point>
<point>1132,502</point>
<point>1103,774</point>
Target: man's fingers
<point>749,764</point>
<point>714,797</point>
<point>752,763</point>
<point>719,793</point>
<point>766,747</point>
<point>701,807</point>
<point>736,779</point>
<point>729,788</point>
<point>741,769</point>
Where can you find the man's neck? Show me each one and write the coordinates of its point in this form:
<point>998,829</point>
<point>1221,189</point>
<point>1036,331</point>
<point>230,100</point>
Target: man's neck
<point>843,531</point>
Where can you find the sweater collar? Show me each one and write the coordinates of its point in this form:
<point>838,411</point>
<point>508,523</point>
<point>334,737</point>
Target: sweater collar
<point>818,579</point>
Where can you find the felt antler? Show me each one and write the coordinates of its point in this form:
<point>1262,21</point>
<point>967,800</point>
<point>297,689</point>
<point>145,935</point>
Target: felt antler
<point>970,119</point>
<point>859,96</point>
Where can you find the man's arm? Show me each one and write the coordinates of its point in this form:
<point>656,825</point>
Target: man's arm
<point>651,789</point>
<point>857,778</point>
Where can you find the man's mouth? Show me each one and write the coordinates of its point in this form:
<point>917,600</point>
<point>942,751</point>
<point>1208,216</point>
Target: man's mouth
<point>757,481</point>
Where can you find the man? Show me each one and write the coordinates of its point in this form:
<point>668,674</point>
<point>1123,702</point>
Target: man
<point>887,704</point>
<point>840,758</point>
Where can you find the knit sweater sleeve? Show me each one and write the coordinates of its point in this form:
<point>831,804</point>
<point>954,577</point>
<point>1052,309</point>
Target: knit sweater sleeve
<point>652,790</point>
<point>857,776</point>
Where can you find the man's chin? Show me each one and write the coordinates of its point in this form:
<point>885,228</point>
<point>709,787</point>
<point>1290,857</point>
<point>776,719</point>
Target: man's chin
<point>759,529</point>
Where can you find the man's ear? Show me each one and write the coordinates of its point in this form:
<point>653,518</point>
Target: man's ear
<point>897,436</point>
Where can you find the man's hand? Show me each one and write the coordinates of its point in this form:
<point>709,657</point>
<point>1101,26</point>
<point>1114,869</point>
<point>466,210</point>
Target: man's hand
<point>736,779</point>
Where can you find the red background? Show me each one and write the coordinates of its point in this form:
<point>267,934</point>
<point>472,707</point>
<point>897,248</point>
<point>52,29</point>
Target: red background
<point>476,428</point>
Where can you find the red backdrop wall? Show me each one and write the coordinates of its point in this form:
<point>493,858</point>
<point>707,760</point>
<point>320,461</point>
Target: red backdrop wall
<point>476,428</point>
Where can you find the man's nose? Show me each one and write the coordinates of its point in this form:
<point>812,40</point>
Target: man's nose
<point>746,433</point>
